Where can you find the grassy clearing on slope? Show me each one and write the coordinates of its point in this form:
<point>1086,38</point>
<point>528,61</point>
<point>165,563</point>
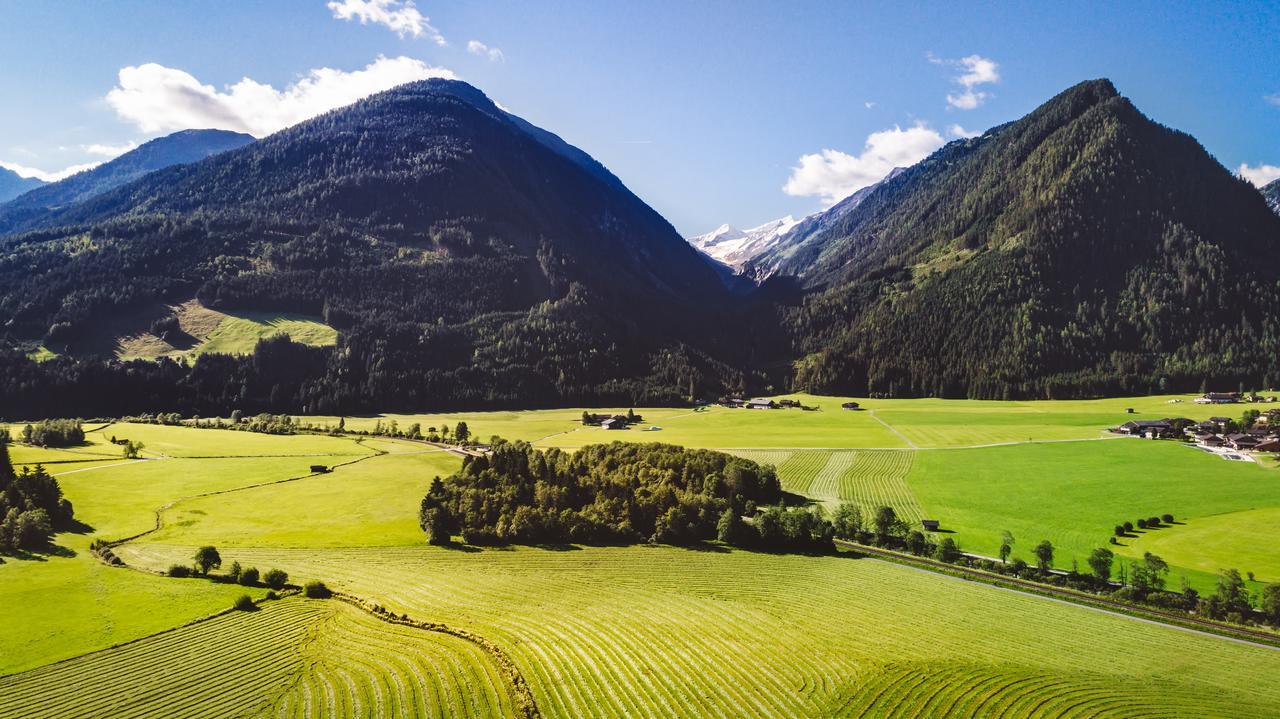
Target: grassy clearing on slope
<point>205,330</point>
<point>1075,493</point>
<point>290,658</point>
<point>646,631</point>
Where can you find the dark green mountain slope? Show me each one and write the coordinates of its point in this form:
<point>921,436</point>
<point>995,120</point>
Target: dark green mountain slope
<point>179,148</point>
<point>467,260</point>
<point>1080,250</point>
<point>12,184</point>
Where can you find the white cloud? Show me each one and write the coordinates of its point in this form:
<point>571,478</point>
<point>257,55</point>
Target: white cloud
<point>1260,175</point>
<point>158,98</point>
<point>833,175</point>
<point>957,131</point>
<point>475,47</point>
<point>45,175</point>
<point>1273,99</point>
<point>402,18</point>
<point>868,104</point>
<point>109,151</point>
<point>976,70</point>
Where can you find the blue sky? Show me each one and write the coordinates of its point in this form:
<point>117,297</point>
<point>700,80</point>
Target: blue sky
<point>712,112</point>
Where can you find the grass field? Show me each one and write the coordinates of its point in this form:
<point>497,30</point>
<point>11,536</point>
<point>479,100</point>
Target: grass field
<point>612,632</point>
<point>292,658</point>
<point>638,631</point>
<point>1075,493</point>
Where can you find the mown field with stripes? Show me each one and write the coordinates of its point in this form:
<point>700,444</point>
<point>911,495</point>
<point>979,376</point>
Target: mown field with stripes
<point>291,658</point>
<point>660,631</point>
<point>866,477</point>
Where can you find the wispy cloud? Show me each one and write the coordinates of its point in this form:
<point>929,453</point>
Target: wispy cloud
<point>1273,99</point>
<point>402,17</point>
<point>833,175</point>
<point>957,131</point>
<point>975,71</point>
<point>1260,175</point>
<point>46,175</point>
<point>475,47</point>
<point>109,151</point>
<point>157,98</point>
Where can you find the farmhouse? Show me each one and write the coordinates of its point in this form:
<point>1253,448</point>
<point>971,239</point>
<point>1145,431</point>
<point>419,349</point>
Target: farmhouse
<point>1147,428</point>
<point>1218,398</point>
<point>1220,424</point>
<point>614,423</point>
<point>1241,441</point>
<point>849,405</point>
<point>788,403</point>
<point>930,525</point>
<point>1212,440</point>
<point>1270,444</point>
<point>760,403</point>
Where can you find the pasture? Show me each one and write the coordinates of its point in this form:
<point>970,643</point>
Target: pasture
<point>614,631</point>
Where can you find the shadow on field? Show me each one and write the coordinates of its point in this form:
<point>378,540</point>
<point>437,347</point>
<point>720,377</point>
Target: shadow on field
<point>460,547</point>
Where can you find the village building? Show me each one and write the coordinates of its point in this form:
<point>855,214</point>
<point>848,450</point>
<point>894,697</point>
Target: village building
<point>1218,398</point>
<point>1241,441</point>
<point>930,525</point>
<point>760,403</point>
<point>1147,428</point>
<point>849,405</point>
<point>614,423</point>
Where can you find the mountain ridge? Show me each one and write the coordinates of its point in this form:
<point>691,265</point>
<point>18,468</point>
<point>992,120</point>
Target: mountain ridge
<point>13,185</point>
<point>38,207</point>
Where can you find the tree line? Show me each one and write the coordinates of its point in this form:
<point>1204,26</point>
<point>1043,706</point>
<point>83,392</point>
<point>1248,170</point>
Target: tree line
<point>32,507</point>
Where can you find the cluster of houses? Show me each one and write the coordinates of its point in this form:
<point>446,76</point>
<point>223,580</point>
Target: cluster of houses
<point>760,403</point>
<point>1230,398</point>
<point>1213,433</point>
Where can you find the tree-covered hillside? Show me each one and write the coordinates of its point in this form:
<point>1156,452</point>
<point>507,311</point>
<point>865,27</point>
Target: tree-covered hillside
<point>466,257</point>
<point>1081,250</point>
<point>34,208</point>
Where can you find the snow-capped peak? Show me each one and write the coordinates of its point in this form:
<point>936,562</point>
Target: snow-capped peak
<point>734,247</point>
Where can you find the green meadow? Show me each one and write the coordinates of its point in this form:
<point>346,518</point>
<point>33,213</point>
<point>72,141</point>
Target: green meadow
<point>645,630</point>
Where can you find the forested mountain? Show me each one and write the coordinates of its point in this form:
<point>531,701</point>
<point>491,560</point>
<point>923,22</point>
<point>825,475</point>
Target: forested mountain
<point>12,184</point>
<point>468,259</point>
<point>33,209</point>
<point>1272,193</point>
<point>1083,249</point>
<point>806,236</point>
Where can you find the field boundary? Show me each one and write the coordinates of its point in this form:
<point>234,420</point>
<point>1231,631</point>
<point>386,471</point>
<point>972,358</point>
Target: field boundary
<point>1243,635</point>
<point>891,428</point>
<point>519,687</point>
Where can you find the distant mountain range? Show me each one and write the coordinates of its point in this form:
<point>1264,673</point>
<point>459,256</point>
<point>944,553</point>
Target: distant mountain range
<point>12,184</point>
<point>733,247</point>
<point>39,207</point>
<point>471,259</point>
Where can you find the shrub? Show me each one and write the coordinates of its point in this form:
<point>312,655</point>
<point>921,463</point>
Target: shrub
<point>234,572</point>
<point>249,577</point>
<point>275,578</point>
<point>1119,530</point>
<point>1153,521</point>
<point>1128,526</point>
<point>244,603</point>
<point>316,590</point>
<point>272,595</point>
<point>1142,524</point>
<point>207,558</point>
<point>179,570</point>
<point>1167,518</point>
